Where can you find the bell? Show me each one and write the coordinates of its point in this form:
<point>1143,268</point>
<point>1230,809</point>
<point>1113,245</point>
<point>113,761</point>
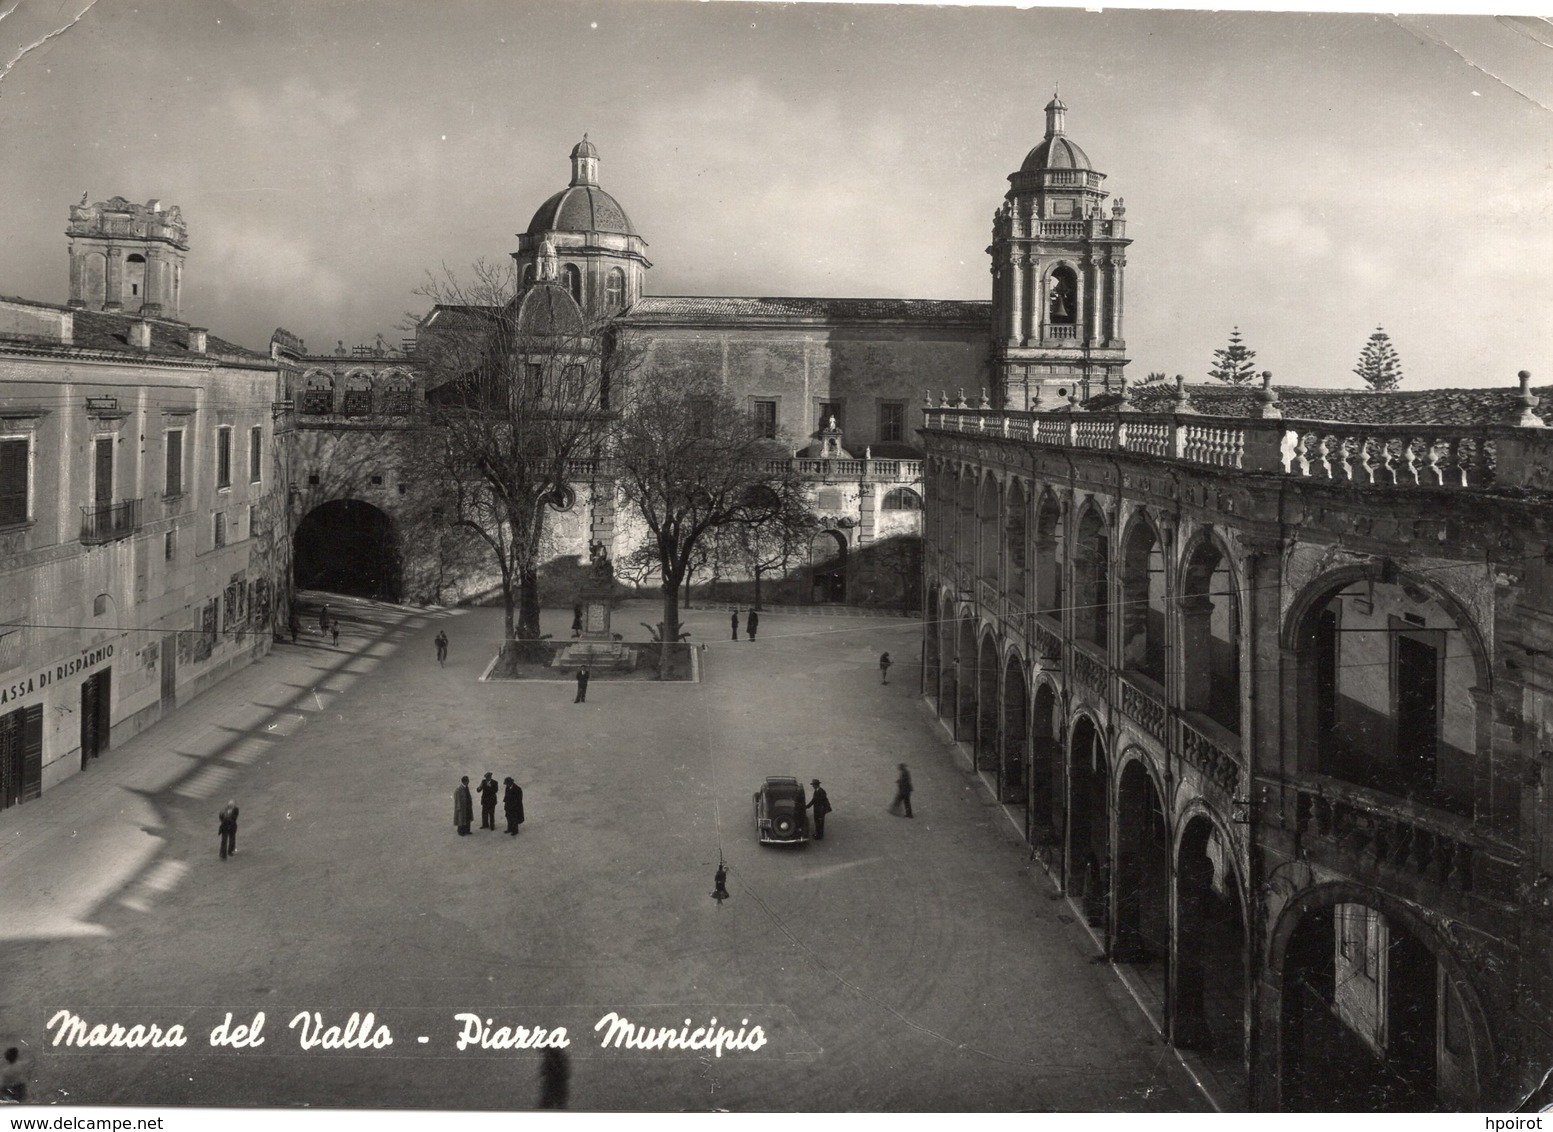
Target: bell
<point>1060,311</point>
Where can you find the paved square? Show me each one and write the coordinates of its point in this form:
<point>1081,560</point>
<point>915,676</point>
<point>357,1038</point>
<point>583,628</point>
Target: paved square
<point>898,964</point>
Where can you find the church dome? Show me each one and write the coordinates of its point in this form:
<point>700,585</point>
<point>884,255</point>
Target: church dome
<point>581,208</point>
<point>1055,153</point>
<point>546,309</point>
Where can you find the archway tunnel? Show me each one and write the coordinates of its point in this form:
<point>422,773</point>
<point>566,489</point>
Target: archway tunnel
<point>348,547</point>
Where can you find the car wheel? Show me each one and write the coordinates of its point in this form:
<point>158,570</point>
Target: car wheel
<point>784,826</point>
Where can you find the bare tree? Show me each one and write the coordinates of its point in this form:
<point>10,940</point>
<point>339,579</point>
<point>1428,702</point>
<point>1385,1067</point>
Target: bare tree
<point>771,547</point>
<point>690,459</point>
<point>518,404</point>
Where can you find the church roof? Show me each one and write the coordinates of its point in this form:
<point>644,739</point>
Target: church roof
<point>1350,406</point>
<point>1058,152</point>
<point>581,208</point>
<point>546,308</point>
<point>726,310</point>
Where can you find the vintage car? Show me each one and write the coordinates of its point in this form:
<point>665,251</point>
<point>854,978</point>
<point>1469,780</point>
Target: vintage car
<point>780,816</point>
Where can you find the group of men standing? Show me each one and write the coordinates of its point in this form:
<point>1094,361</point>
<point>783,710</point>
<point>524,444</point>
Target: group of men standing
<point>511,800</point>
<point>751,623</point>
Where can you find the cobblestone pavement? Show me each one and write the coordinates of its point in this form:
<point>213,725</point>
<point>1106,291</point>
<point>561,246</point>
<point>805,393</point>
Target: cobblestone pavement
<point>896,965</point>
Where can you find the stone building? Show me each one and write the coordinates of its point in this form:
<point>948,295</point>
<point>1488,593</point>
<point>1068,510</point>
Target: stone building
<point>1267,680</point>
<point>142,526</point>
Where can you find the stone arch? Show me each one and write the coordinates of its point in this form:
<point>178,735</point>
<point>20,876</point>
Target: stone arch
<point>1091,574</point>
<point>1144,604</point>
<point>1048,798</point>
<point>989,526</point>
<point>1013,762</point>
<point>1209,984</point>
<point>1050,556</point>
<point>348,546</point>
<point>1015,536</point>
<point>317,392</point>
<point>987,672</point>
<point>1063,298</point>
<point>828,566</point>
<point>1382,695</point>
<point>396,392</point>
<point>1416,1036</point>
<point>901,499</point>
<point>965,521</point>
<point>358,393</point>
<point>1088,871</point>
<point>1210,611</point>
<point>965,679</point>
<point>944,632</point>
<point>1142,869</point>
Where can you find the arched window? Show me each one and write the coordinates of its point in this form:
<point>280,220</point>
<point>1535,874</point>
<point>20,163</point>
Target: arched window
<point>1091,579</point>
<point>615,289</point>
<point>902,499</point>
<point>134,281</point>
<point>528,274</point>
<point>573,278</point>
<point>1062,308</point>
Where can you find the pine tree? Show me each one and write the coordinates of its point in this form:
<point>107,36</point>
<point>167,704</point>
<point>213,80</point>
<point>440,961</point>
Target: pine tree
<point>1379,367</point>
<point>1232,364</point>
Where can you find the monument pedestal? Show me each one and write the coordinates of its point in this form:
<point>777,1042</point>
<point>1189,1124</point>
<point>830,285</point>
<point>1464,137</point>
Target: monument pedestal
<point>598,647</point>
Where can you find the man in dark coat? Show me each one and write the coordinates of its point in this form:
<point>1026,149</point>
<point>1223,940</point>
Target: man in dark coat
<point>751,623</point>
<point>884,667</point>
<point>228,829</point>
<point>463,807</point>
<point>323,619</point>
<point>442,647</point>
<point>512,806</point>
<point>582,685</point>
<point>820,804</point>
<point>902,792</point>
<point>489,788</point>
<point>735,620</point>
<point>577,620</point>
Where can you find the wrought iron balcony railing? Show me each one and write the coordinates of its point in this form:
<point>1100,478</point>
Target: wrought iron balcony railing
<point>107,524</point>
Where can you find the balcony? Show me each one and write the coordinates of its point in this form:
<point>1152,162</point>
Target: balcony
<point>108,524</point>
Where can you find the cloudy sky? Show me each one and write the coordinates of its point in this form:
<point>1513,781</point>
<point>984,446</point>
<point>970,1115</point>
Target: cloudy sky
<point>1305,176</point>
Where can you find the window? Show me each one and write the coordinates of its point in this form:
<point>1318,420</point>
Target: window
<point>573,279</point>
<point>765,419</point>
<point>312,480</point>
<point>102,472</point>
<point>829,410</point>
<point>615,289</point>
<point>902,499</point>
<point>220,529</point>
<point>169,546</point>
<point>700,417</point>
<point>892,421</point>
<point>224,456</point>
<point>174,484</point>
<point>14,460</point>
<point>536,380</point>
<point>255,454</point>
<point>253,520</point>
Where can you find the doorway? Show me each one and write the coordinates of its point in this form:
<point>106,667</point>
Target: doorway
<point>96,714</point>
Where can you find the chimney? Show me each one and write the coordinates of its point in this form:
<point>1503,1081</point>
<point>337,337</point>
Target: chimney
<point>197,339</point>
<point>140,334</point>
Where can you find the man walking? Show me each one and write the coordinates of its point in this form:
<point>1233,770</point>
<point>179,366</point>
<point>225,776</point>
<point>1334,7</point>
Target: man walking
<point>735,621</point>
<point>902,792</point>
<point>488,788</point>
<point>463,807</point>
<point>512,806</point>
<point>227,828</point>
<point>442,648</point>
<point>334,632</point>
<point>323,619</point>
<point>582,685</point>
<point>751,623</point>
<point>820,804</point>
<point>884,667</point>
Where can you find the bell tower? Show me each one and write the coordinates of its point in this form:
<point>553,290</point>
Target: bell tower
<point>1057,265</point>
<point>127,257</point>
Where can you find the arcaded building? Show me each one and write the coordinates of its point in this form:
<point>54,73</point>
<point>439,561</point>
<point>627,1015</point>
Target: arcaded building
<point>143,537</point>
<point>1266,677</point>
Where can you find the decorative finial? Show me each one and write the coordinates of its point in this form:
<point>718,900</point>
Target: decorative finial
<point>1524,414</point>
<point>1267,397</point>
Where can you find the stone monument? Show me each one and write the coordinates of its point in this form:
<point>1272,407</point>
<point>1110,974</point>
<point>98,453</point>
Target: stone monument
<point>597,647</point>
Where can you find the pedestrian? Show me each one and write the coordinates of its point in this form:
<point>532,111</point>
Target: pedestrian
<point>902,792</point>
<point>720,882</point>
<point>442,647</point>
<point>820,804</point>
<point>323,619</point>
<point>227,828</point>
<point>577,620</point>
<point>554,1078</point>
<point>512,806</point>
<point>751,623</point>
<point>735,621</point>
<point>295,625</point>
<point>15,1068</point>
<point>463,807</point>
<point>488,789</point>
<point>884,667</point>
<point>582,685</point>
<point>334,630</point>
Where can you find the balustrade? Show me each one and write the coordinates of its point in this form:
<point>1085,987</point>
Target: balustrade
<point>1146,708</point>
<point>1213,756</point>
<point>1089,671</point>
<point>106,524</point>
